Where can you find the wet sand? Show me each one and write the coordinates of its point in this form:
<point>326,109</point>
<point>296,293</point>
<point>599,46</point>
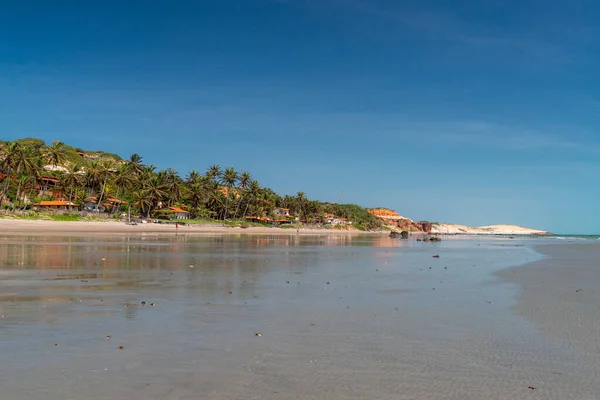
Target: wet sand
<point>561,293</point>
<point>338,317</point>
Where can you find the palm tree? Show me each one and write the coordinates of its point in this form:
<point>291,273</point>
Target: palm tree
<point>173,185</point>
<point>93,177</point>
<point>197,194</point>
<point>154,191</point>
<point>70,179</point>
<point>244,180</point>
<point>135,163</point>
<point>55,154</point>
<point>8,157</point>
<point>18,160</point>
<point>215,198</point>
<point>253,193</point>
<point>107,171</point>
<point>229,178</point>
<point>214,172</point>
<point>300,201</point>
<point>193,177</point>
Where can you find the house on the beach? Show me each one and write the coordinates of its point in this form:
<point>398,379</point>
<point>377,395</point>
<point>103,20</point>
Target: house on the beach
<point>55,205</point>
<point>282,212</point>
<point>172,212</point>
<point>257,219</point>
<point>50,186</point>
<point>108,204</point>
<point>282,216</point>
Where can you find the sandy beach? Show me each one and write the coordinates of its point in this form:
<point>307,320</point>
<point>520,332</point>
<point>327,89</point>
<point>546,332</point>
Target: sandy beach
<point>15,226</point>
<point>560,293</point>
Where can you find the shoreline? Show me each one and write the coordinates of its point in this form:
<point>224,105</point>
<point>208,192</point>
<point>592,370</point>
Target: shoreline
<point>23,226</point>
<point>558,293</point>
<point>16,226</point>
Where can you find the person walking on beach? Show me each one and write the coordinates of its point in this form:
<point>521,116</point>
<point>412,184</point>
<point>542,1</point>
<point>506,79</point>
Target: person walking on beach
<point>176,225</point>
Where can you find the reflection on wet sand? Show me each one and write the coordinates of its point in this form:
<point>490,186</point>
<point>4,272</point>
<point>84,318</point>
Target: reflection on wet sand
<point>269,317</point>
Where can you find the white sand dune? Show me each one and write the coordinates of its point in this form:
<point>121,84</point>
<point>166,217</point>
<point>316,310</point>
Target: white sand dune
<point>485,230</point>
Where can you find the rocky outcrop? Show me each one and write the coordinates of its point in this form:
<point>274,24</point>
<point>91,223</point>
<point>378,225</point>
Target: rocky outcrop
<point>393,219</point>
<point>423,226</point>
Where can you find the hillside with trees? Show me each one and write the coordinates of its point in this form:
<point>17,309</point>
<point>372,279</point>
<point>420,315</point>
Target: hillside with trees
<point>33,172</point>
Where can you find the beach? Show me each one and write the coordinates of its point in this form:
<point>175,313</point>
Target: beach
<point>560,293</point>
<point>218,316</point>
<point>18,226</point>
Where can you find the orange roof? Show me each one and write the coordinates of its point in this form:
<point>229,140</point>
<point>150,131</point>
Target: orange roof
<point>56,203</point>
<point>171,210</point>
<point>49,178</point>
<point>259,218</point>
<point>177,210</point>
<point>115,200</point>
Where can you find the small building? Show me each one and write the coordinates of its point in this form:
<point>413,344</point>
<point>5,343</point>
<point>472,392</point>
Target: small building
<point>56,205</point>
<point>50,182</point>
<point>282,212</point>
<point>108,204</point>
<point>172,212</point>
<point>263,220</point>
<point>340,221</point>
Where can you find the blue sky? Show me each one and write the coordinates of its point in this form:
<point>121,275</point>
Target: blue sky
<point>474,112</point>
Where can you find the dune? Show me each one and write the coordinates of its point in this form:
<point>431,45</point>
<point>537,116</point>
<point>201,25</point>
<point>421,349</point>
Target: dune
<point>485,230</point>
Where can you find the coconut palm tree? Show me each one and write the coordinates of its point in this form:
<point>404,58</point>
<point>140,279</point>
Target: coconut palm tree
<point>173,185</point>
<point>244,180</point>
<point>154,191</point>
<point>197,194</point>
<point>71,179</point>
<point>253,193</point>
<point>94,176</point>
<point>135,163</point>
<point>122,182</point>
<point>301,204</point>
<point>216,199</point>
<point>55,154</point>
<point>214,172</point>
<point>18,160</point>
<point>107,170</point>
<point>229,178</point>
<point>193,177</point>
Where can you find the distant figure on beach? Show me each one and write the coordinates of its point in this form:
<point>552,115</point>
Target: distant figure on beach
<point>176,225</point>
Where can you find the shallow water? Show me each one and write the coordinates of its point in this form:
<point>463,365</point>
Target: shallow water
<point>339,317</point>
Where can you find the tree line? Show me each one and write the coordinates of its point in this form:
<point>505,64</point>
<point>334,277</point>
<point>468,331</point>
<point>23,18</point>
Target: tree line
<point>217,193</point>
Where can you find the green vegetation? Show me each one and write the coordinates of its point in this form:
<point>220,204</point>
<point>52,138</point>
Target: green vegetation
<point>359,216</point>
<point>96,177</point>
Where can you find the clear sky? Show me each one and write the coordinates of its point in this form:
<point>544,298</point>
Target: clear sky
<point>473,112</point>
